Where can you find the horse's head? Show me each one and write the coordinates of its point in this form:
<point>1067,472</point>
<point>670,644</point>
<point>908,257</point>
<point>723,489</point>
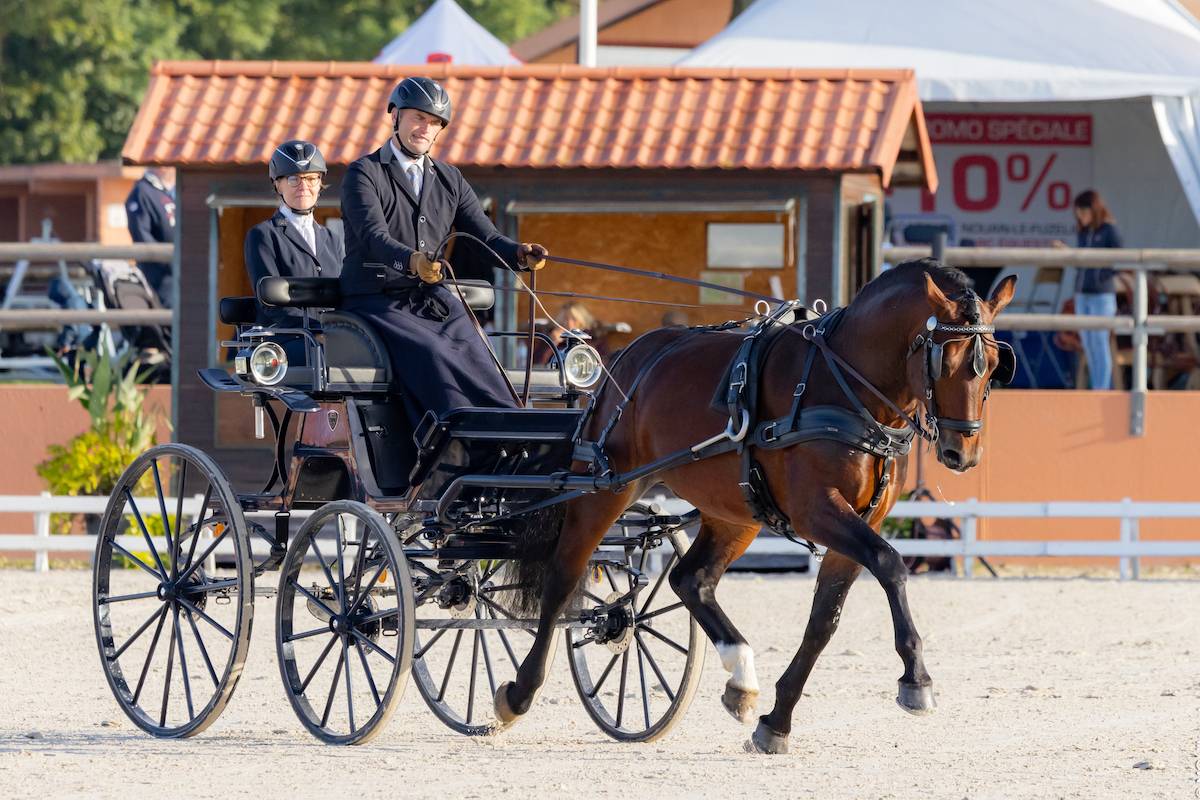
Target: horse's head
<point>959,357</point>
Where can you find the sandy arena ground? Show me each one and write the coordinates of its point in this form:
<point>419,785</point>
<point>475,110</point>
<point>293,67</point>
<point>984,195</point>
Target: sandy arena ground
<point>1045,687</point>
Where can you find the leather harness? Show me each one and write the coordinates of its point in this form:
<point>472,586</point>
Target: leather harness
<point>854,427</point>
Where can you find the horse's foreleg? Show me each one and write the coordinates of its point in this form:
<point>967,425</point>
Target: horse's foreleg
<point>694,579</point>
<point>844,532</point>
<point>586,522</point>
<point>833,583</point>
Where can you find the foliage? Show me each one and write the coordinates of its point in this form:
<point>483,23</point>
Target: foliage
<point>120,428</point>
<point>898,527</point>
<point>72,74</point>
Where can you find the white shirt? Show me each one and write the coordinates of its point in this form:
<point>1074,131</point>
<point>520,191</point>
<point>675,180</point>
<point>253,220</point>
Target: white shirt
<point>304,225</point>
<point>414,168</point>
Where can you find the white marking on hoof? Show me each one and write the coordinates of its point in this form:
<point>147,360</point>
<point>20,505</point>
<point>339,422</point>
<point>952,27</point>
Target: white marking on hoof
<point>738,661</point>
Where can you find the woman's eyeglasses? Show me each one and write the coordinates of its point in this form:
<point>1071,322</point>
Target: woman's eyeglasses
<point>308,180</point>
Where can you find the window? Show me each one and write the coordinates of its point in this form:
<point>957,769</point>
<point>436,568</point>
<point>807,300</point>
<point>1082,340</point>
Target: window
<point>746,245</point>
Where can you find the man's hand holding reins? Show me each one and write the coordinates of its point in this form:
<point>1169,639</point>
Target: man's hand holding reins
<point>532,256</point>
<point>425,268</point>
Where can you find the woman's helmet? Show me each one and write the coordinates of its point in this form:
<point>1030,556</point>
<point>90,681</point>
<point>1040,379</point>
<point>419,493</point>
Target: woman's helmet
<point>294,157</point>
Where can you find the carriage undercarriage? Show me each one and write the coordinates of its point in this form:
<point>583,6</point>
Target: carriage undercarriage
<point>391,570</point>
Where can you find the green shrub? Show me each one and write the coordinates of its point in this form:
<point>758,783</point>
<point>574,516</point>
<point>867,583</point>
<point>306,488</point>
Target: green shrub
<point>120,430</point>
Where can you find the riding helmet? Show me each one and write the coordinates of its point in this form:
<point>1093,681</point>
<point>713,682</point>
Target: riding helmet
<point>294,157</point>
<point>422,94</point>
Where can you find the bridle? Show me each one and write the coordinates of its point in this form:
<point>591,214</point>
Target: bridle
<point>934,357</point>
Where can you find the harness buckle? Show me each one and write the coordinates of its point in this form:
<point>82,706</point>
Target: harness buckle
<point>800,387</point>
<point>737,379</point>
<point>768,434</point>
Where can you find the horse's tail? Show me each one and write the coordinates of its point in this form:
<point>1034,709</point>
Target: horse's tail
<point>536,535</point>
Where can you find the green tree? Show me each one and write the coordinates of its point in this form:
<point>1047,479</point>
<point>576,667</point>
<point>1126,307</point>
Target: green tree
<point>72,73</point>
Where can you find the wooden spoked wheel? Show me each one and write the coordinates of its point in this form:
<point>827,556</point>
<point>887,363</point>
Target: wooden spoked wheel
<point>173,591</point>
<point>637,669</point>
<point>344,623</point>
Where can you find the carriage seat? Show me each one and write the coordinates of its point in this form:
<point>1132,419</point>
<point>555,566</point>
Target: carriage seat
<point>355,354</point>
<point>327,292</point>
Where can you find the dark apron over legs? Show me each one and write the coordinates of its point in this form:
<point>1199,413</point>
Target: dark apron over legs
<point>440,364</point>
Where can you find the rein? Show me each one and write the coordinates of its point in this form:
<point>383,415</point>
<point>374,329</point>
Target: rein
<point>662,276</point>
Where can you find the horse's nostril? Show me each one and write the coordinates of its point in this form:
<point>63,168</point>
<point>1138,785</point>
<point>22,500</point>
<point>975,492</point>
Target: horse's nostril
<point>952,458</point>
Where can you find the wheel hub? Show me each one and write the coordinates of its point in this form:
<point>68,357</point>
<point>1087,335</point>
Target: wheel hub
<point>616,631</point>
<point>458,596</point>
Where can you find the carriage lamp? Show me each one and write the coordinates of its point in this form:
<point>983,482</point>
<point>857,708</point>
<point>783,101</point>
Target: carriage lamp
<point>268,363</point>
<point>581,365</point>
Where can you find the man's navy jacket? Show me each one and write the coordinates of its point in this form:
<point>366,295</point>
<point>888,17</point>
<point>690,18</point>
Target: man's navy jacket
<point>385,224</point>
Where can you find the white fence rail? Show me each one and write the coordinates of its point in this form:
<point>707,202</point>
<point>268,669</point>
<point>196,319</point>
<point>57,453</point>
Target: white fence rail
<point>1129,547</point>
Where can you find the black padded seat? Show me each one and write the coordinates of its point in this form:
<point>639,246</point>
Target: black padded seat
<point>355,354</point>
<point>327,292</point>
<point>238,310</point>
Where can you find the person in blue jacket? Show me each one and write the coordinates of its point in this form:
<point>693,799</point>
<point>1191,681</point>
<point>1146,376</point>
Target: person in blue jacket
<point>1095,289</point>
<point>150,213</point>
<point>398,205</point>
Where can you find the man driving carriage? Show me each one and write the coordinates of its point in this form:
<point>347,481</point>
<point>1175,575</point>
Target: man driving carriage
<point>398,205</point>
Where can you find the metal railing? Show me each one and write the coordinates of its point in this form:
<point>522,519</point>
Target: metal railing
<point>1140,324</point>
<point>1129,548</point>
<point>84,251</point>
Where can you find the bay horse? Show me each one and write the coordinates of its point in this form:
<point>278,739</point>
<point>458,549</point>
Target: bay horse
<point>824,488</point>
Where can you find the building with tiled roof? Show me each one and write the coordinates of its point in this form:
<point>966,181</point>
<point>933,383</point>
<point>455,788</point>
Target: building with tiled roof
<point>768,180</point>
<point>642,32</point>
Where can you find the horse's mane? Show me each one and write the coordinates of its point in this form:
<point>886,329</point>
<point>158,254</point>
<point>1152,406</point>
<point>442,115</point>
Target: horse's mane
<point>951,280</point>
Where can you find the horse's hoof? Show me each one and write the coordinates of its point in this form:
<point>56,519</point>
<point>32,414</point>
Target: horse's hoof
<point>916,699</point>
<point>766,741</point>
<point>740,703</point>
<point>505,715</point>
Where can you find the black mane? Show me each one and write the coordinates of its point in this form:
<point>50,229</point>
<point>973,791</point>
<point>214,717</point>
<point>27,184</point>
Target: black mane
<point>951,280</point>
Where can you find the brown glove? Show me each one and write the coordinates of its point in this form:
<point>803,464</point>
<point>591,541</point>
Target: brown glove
<point>532,256</point>
<point>426,269</point>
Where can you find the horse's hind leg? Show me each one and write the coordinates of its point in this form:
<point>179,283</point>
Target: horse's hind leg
<point>694,579</point>
<point>586,522</point>
<point>833,583</point>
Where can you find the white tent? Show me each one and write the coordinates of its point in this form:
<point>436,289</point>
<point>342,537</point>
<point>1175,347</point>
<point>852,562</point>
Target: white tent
<point>446,33</point>
<point>1131,66</point>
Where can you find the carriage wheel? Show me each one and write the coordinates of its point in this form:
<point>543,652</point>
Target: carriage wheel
<point>637,671</point>
<point>470,639</point>
<point>173,591</point>
<point>344,623</point>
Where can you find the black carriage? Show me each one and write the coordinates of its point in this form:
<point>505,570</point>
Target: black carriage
<point>405,562</point>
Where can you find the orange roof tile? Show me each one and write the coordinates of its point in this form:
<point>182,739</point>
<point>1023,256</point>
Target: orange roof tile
<point>212,113</point>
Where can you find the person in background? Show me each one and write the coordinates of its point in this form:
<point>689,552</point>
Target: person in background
<point>676,318</point>
<point>574,316</point>
<point>1095,289</point>
<point>150,213</point>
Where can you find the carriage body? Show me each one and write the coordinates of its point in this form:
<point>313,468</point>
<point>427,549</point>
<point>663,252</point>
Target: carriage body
<point>426,542</point>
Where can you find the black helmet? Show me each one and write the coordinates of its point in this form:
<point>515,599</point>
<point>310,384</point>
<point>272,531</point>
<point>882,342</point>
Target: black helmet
<point>422,94</point>
<point>296,156</point>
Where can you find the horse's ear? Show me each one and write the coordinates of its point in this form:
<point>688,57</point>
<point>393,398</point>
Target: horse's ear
<point>937,298</point>
<point>1002,295</point>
